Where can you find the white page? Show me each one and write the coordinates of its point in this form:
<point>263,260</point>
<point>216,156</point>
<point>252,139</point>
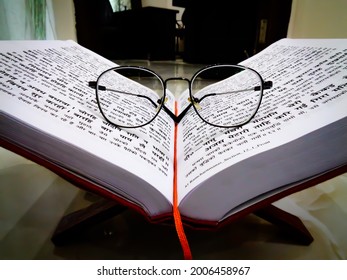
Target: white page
<point>309,92</point>
<point>45,84</point>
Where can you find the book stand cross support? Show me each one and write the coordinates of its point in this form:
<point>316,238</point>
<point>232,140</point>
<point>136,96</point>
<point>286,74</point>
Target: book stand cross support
<point>73,224</point>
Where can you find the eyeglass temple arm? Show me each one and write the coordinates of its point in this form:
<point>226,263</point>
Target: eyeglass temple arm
<point>177,119</point>
<point>266,85</point>
<point>103,88</point>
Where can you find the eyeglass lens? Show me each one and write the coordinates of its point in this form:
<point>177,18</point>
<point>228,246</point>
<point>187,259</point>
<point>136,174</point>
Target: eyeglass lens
<point>129,97</point>
<point>226,96</point>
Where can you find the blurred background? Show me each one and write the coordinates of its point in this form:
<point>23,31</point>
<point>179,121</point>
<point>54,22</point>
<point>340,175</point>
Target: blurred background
<point>195,31</point>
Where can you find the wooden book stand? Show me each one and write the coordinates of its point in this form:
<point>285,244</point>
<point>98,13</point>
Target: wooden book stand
<point>77,222</point>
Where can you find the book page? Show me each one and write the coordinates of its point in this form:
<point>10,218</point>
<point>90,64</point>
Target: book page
<point>45,85</point>
<point>309,91</point>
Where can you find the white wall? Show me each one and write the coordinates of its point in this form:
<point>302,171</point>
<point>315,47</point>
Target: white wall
<point>318,19</point>
<point>64,14</point>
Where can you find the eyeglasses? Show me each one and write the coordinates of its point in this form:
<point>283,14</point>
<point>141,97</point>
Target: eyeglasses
<point>224,96</point>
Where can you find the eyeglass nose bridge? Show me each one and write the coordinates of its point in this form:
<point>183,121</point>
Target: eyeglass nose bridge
<point>176,79</point>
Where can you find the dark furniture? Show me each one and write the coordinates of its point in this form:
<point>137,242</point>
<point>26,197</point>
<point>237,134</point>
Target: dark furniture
<point>230,31</point>
<point>139,33</point>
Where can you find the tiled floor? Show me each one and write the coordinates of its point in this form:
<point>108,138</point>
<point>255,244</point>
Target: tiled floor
<point>33,200</point>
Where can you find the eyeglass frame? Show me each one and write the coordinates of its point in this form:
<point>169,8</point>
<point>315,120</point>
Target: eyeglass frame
<point>264,85</point>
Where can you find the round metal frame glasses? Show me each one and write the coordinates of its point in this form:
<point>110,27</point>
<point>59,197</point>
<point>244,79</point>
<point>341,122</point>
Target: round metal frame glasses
<point>222,95</point>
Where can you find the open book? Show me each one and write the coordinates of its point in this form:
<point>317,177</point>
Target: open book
<point>49,114</point>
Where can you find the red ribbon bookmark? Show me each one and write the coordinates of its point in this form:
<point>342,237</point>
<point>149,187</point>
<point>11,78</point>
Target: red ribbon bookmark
<point>176,213</point>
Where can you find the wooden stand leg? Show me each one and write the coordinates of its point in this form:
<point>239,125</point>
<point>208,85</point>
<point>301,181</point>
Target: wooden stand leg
<point>292,225</point>
<point>72,224</point>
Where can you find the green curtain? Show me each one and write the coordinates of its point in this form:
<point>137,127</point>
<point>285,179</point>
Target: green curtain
<point>36,10</point>
<point>26,20</point>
